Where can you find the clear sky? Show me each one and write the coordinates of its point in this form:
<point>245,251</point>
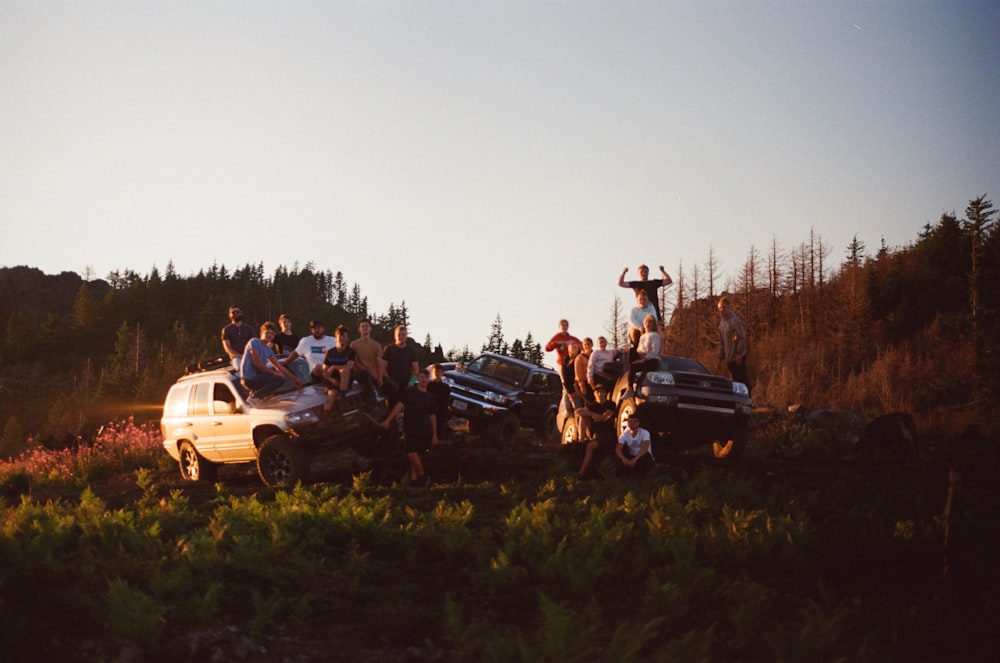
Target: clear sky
<point>476,158</point>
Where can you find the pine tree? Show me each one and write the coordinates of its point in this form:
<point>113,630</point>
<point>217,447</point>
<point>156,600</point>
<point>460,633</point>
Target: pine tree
<point>495,342</point>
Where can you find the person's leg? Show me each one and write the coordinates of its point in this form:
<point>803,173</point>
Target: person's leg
<point>416,465</point>
<point>738,372</point>
<point>588,456</point>
<point>264,383</point>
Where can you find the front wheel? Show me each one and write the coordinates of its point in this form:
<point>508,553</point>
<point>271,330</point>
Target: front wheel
<point>569,433</point>
<point>733,447</point>
<point>506,428</point>
<point>625,410</point>
<point>194,466</point>
<point>280,462</point>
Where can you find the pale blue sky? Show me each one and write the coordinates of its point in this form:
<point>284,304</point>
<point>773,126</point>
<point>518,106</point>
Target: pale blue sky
<point>476,158</point>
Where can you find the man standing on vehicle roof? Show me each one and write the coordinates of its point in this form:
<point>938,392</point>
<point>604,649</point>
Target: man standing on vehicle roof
<point>235,336</point>
<point>732,343</point>
<point>650,287</point>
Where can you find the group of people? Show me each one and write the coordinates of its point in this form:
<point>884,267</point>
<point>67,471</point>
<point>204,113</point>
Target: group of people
<point>589,373</point>
<point>274,359</point>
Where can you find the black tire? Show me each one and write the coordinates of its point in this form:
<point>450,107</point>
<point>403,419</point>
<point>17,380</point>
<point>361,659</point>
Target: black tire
<point>506,427</point>
<point>569,431</point>
<point>379,443</point>
<point>477,427</point>
<point>194,466</point>
<point>547,429</point>
<point>626,408</point>
<point>732,448</point>
<point>280,462</point>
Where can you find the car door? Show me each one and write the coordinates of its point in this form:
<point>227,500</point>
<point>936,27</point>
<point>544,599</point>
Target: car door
<point>537,398</point>
<point>232,437</point>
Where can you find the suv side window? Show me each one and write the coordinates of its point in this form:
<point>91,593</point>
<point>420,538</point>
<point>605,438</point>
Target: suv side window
<point>177,400</point>
<point>223,400</point>
<point>199,404</point>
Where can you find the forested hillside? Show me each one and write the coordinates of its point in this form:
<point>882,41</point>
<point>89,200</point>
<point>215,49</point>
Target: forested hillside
<point>911,328</point>
<point>77,352</point>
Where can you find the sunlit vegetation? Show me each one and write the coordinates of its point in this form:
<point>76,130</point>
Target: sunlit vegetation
<point>695,562</point>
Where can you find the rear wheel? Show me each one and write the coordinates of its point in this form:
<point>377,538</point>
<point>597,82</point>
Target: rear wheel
<point>281,463</point>
<point>733,447</point>
<point>194,466</point>
<point>547,429</point>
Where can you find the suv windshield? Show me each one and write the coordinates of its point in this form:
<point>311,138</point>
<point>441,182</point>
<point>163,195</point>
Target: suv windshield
<point>496,368</point>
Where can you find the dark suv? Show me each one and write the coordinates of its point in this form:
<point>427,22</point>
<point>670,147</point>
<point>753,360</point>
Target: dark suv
<point>686,405</point>
<point>499,394</point>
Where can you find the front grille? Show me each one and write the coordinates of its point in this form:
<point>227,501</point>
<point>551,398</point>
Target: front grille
<point>711,383</point>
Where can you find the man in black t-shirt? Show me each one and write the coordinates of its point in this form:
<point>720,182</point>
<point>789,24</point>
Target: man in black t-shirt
<point>401,364</point>
<point>650,287</point>
<point>419,424</point>
<point>599,416</point>
<point>337,365</point>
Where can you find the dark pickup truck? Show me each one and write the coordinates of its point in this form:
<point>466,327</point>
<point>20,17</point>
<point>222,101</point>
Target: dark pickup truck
<point>685,405</point>
<point>499,394</point>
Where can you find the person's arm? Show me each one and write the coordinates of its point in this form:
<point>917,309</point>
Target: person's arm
<point>741,342</point>
<point>258,363</point>
<point>580,374</point>
<point>396,409</point>
<point>227,347</point>
<point>620,451</point>
<point>644,447</point>
<point>434,429</point>
<point>666,277</point>
<point>621,279</point>
<point>552,344</point>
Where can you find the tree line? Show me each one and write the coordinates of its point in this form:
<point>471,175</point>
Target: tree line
<point>77,351</point>
<point>910,328</point>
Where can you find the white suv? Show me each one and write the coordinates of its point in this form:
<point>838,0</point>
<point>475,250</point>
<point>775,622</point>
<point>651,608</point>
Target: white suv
<point>208,421</point>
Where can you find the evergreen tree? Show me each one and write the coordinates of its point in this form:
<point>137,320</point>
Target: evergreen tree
<point>495,342</point>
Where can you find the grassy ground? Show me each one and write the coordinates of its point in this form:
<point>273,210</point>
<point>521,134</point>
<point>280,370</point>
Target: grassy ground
<point>510,557</point>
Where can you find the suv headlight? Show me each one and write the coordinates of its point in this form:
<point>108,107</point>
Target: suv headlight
<point>740,389</point>
<point>299,418</point>
<point>660,377</point>
<point>494,397</point>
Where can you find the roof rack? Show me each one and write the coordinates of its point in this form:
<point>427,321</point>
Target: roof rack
<point>215,363</point>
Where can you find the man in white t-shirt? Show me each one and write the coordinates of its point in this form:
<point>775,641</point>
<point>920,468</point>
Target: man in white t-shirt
<point>635,447</point>
<point>313,349</point>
